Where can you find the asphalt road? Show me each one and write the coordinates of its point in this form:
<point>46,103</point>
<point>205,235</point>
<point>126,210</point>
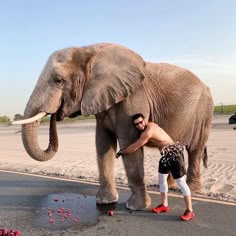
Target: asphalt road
<point>44,206</point>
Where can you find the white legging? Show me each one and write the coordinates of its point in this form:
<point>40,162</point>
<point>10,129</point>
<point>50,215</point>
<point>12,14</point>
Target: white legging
<point>181,182</point>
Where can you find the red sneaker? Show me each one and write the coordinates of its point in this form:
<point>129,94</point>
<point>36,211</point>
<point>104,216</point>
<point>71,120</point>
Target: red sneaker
<point>160,209</point>
<point>188,215</point>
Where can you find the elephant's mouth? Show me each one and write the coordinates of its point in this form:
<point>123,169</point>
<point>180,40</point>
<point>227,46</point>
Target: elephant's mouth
<point>63,111</point>
<point>75,114</point>
<point>60,112</point>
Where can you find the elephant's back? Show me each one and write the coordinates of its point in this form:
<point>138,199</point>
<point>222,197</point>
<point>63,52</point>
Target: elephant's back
<point>170,72</point>
<point>175,80</point>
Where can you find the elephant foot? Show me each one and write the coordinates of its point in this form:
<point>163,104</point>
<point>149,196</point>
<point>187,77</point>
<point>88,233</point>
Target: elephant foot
<point>107,197</point>
<point>138,203</point>
<point>194,185</point>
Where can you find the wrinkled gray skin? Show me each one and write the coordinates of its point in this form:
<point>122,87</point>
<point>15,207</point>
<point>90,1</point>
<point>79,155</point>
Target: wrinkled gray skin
<point>114,83</point>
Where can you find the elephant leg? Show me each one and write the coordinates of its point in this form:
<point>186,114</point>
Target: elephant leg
<point>171,181</point>
<point>106,145</point>
<point>134,165</point>
<point>193,172</point>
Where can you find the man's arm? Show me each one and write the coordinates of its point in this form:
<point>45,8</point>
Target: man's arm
<point>143,139</point>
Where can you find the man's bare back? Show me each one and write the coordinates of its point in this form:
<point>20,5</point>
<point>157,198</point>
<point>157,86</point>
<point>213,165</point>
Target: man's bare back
<point>151,133</point>
<point>157,136</point>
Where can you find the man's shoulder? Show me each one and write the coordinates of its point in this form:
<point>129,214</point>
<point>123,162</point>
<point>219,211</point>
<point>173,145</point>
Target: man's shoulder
<point>152,124</point>
<point>150,127</point>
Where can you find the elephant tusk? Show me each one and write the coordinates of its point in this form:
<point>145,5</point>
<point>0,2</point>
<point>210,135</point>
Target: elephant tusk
<point>29,120</point>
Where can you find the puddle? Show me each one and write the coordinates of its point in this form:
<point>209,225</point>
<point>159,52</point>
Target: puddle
<point>60,211</point>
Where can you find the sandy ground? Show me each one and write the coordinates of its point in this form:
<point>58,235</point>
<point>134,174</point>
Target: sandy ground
<point>76,158</point>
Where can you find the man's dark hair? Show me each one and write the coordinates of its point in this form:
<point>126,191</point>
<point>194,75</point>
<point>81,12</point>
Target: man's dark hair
<point>136,116</point>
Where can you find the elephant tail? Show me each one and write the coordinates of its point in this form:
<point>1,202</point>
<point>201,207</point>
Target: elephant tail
<point>205,157</point>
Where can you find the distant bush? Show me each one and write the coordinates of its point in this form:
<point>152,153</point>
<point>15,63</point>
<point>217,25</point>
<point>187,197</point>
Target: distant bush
<point>225,109</point>
<point>18,117</point>
<point>4,119</point>
<point>47,118</point>
<point>81,118</point>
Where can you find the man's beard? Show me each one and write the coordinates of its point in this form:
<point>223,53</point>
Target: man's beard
<point>143,129</point>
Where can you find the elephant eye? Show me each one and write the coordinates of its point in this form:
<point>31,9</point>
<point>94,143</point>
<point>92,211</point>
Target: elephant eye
<point>58,80</point>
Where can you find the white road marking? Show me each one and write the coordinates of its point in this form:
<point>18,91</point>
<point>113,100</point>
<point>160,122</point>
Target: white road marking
<point>120,187</point>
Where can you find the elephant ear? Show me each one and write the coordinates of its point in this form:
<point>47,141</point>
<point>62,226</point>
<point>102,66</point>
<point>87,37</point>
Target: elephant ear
<point>114,73</point>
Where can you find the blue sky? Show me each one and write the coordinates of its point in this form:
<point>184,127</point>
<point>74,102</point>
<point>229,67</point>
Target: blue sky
<point>198,35</point>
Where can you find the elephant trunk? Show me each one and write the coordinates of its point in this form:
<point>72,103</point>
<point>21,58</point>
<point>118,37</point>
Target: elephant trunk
<point>30,140</point>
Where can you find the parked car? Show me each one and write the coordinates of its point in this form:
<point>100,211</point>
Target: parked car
<point>232,119</point>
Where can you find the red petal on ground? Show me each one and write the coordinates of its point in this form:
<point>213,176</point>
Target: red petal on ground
<point>51,221</point>
<point>12,232</point>
<point>17,233</point>
<point>5,232</point>
<point>110,212</point>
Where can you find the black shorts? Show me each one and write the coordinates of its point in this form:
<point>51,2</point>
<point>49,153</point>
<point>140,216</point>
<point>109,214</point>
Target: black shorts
<point>172,161</point>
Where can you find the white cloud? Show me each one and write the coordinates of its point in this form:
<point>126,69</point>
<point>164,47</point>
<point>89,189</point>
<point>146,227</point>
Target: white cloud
<point>204,64</point>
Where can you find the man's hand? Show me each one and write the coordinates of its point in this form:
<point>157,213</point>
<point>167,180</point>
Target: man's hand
<point>118,154</point>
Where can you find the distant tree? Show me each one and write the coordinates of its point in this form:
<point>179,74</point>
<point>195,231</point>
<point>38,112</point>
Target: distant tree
<point>18,117</point>
<point>4,119</point>
<point>46,119</point>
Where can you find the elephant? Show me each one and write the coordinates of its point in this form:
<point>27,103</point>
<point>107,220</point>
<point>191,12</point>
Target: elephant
<point>113,83</point>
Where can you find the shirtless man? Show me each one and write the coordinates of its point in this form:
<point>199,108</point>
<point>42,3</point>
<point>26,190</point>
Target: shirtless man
<point>172,161</point>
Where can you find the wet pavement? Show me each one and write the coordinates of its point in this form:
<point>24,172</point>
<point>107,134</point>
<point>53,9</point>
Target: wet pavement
<point>43,206</point>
